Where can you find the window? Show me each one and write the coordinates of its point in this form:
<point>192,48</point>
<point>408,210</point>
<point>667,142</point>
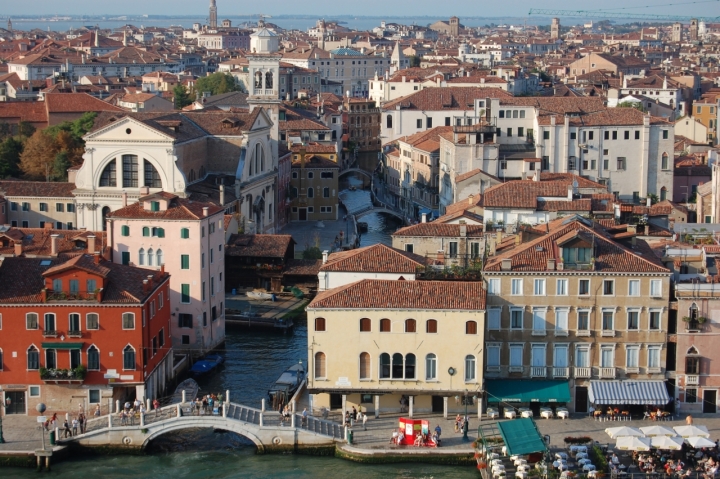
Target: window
<point>607,356</point>
<point>92,321</point>
<point>74,285</point>
<point>74,320</point>
<point>60,207</point>
<point>493,356</point>
<point>516,318</point>
<point>74,358</point>
<point>614,135</point>
<point>516,287</point>
<point>665,134</point>
<point>509,132</point>
<point>50,359</point>
<point>185,293</point>
<point>538,324</point>
<point>656,288</point>
<point>184,233</point>
<point>33,358</point>
<point>49,323</point>
<point>562,287</point>
<point>43,207</point>
<point>130,171</point>
<point>34,391</point>
<point>453,249</point>
<point>128,321</point>
<point>410,326</point>
<point>384,366</point>
<point>561,320</point>
<point>410,366</point>
<point>365,367</point>
<point>154,206</point>
<point>691,395</point>
<point>538,355</point>
<point>430,367</point>
<point>388,121</point>
<point>560,356</point>
<point>185,320</point>
<point>626,135</point>
<point>632,356</point>
<point>634,287</point>
<point>25,206</point>
<point>31,321</point>
<point>161,337</point>
<point>633,320</point>
<point>516,355</point>
<point>109,175</point>
<point>470,327</point>
<point>152,177</point>
<point>128,358</point>
<point>493,286</point>
<point>141,257</point>
<point>692,365</point>
<point>546,135</point>
<point>125,257</point>
<point>57,285</point>
<point>326,192</point>
<point>494,319</point>
<point>621,163</point>
<point>319,324</point>
<point>365,325</point>
<point>583,320</point>
<point>582,357</point>
<point>125,230</point>
<point>184,261</point>
<point>397,366</point>
<point>584,286</point>
<point>184,339</point>
<point>428,122</point>
<point>385,325</point>
<point>607,320</point>
<point>469,368</point>
<point>418,123</point>
<point>572,161</point>
<point>539,287</point>
<point>654,357</point>
<point>608,287</point>
<point>70,208</point>
<point>654,320</point>
<point>310,193</point>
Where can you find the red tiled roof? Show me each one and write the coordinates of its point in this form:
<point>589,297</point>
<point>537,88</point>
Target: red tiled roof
<point>178,209</point>
<point>389,294</point>
<point>448,98</point>
<point>462,205</point>
<point>268,246</point>
<point>76,103</point>
<point>30,111</point>
<point>37,241</point>
<point>436,229</point>
<point>377,258</point>
<point>41,189</point>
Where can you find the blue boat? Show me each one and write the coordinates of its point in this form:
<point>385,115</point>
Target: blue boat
<point>207,364</point>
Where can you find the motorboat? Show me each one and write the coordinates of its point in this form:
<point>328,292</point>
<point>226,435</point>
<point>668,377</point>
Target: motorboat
<point>190,386</point>
<point>258,295</point>
<point>207,364</point>
<point>286,385</point>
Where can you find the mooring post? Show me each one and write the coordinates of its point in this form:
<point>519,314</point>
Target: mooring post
<point>47,463</point>
<point>224,409</point>
<point>117,405</point>
<point>227,396</point>
<point>142,419</point>
<point>262,405</point>
<point>147,408</point>
<point>110,420</point>
<point>262,421</point>
<point>39,463</point>
<point>184,399</point>
<point>179,411</point>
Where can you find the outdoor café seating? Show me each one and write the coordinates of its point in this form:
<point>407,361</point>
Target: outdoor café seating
<point>510,414</point>
<point>492,413</point>
<point>588,467</point>
<point>578,449</point>
<point>561,455</point>
<point>519,462</point>
<point>525,412</point>
<point>562,413</point>
<point>520,474</point>
<point>546,412</point>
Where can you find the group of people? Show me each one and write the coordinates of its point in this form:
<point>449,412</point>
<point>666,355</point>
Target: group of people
<point>461,422</point>
<point>130,410</point>
<point>70,427</point>
<point>207,404</point>
<point>421,440</point>
<point>687,462</point>
<point>355,416</point>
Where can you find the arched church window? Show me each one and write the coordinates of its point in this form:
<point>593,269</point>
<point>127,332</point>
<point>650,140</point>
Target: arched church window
<point>269,80</point>
<point>109,174</point>
<point>152,177</point>
<point>258,79</point>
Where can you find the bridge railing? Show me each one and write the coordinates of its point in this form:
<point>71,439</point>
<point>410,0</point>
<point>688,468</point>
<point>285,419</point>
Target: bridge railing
<point>245,413</point>
<point>319,426</point>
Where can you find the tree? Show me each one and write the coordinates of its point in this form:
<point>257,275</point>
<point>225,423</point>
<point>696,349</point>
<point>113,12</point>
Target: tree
<point>38,156</point>
<point>10,151</point>
<point>414,61</point>
<point>182,96</point>
<point>217,83</point>
<point>312,253</point>
<point>60,166</point>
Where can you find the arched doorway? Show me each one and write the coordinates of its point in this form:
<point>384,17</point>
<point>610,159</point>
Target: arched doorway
<point>105,213</point>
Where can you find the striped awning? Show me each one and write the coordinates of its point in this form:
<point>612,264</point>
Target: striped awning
<point>628,392</point>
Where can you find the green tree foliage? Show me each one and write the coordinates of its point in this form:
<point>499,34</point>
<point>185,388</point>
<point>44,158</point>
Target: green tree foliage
<point>312,253</point>
<point>217,83</point>
<point>60,166</point>
<point>632,104</point>
<point>10,150</point>
<point>182,96</point>
<point>38,156</point>
<point>414,61</point>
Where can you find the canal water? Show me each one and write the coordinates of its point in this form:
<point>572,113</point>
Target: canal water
<point>380,226</point>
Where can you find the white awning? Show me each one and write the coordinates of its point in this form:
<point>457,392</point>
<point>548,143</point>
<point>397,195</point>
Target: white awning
<point>628,392</point>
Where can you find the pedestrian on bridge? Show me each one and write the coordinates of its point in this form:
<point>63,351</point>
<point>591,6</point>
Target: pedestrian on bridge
<point>66,428</point>
<point>156,406</point>
<point>75,424</point>
<point>364,420</point>
<point>304,417</point>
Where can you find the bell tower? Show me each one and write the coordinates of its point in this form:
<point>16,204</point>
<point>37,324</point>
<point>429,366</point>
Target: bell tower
<point>212,19</point>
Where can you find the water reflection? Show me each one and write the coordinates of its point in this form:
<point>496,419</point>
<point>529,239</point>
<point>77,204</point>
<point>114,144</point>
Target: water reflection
<point>380,226</point>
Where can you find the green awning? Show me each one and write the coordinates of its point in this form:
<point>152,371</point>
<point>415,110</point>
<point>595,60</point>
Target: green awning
<point>527,391</point>
<point>521,437</point>
<point>62,345</point>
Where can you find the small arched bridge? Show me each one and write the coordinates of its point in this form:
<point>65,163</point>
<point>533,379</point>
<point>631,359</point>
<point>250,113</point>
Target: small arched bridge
<point>355,170</point>
<point>264,429</point>
<point>379,209</point>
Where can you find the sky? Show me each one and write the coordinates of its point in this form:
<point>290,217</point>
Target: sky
<point>327,8</point>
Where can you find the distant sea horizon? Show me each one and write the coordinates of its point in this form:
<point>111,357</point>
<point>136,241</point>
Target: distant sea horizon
<point>64,23</point>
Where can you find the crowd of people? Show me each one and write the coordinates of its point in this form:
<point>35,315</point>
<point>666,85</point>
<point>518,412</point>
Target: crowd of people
<point>355,416</point>
<point>687,462</point>
<point>208,404</point>
<point>72,425</point>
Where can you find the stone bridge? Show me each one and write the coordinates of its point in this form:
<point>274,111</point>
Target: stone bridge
<point>380,209</point>
<point>263,428</point>
<point>355,170</point>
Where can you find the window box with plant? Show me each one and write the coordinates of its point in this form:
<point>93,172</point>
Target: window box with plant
<point>65,375</point>
<point>694,323</point>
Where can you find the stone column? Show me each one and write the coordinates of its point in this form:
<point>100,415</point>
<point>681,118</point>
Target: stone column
<point>445,407</point>
<point>184,398</point>
<point>262,405</point>
<point>377,406</point>
<point>227,396</point>
<point>480,408</point>
<point>262,419</point>
<point>411,403</point>
<point>109,420</point>
<point>342,413</point>
<point>147,407</point>
<point>117,405</point>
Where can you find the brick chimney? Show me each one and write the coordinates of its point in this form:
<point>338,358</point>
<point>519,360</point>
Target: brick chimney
<point>96,258</point>
<point>145,286</point>
<point>124,198</point>
<point>91,244</point>
<point>150,280</point>
<point>551,264</point>
<point>205,210</point>
<point>54,241</point>
<point>18,249</point>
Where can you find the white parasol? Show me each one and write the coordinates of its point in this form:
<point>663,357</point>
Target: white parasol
<point>622,431</point>
<point>650,431</point>
<point>692,430</point>
<point>633,443</point>
<point>696,441</point>
<point>666,443</point>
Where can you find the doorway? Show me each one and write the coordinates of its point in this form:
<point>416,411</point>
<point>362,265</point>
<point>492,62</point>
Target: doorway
<point>17,402</point>
<point>709,401</point>
<point>336,401</point>
<point>581,399</point>
<point>302,212</point>
<point>438,405</point>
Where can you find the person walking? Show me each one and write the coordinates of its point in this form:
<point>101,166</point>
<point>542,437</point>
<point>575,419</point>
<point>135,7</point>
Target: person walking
<point>438,432</point>
<point>82,422</point>
<point>75,424</point>
<point>97,411</point>
<point>304,417</point>
<point>123,417</point>
<point>156,406</point>
<point>66,427</point>
<point>364,420</point>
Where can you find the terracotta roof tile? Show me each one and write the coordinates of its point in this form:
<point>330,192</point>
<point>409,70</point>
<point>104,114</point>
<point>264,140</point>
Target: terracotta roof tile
<point>178,209</point>
<point>40,189</point>
<point>377,258</point>
<point>77,103</point>
<point>271,246</point>
<point>436,229</point>
<point>448,98</point>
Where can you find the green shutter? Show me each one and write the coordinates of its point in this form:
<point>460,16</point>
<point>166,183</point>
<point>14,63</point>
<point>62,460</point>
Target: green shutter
<point>184,261</point>
<point>154,206</point>
<point>184,233</point>
<point>185,293</point>
<point>146,231</point>
<point>126,257</point>
<point>161,232</point>
<point>125,231</point>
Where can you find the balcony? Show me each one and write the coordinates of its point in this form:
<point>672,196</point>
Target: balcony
<point>50,333</point>
<point>583,373</point>
<point>561,373</point>
<point>607,373</point>
<point>632,370</point>
<point>52,295</point>
<point>57,376</point>
<point>538,372</point>
<point>75,334</point>
<point>692,380</point>
<point>608,333</point>
<point>515,369</point>
<point>582,332</point>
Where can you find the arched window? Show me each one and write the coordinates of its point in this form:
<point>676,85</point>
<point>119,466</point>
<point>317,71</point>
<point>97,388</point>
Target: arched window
<point>319,324</point>
<point>109,175</point>
<point>365,366</point>
<point>384,366</point>
<point>470,327</point>
<point>663,193</point>
<point>365,325</point>
<point>410,366</point>
<point>141,257</point>
<point>92,321</point>
<point>159,257</point>
<point>33,358</point>
<point>431,326</point>
<point>93,358</point>
<point>469,368</point>
<point>410,326</point>
<point>320,371</point>
<point>385,325</point>
<point>665,163</point>
<point>130,171</point>
<point>269,81</point>
<point>388,121</point>
<point>310,193</point>
<point>258,79</point>
<point>259,158</point>
<point>50,359</point>
<point>151,257</point>
<point>129,358</point>
<point>430,367</point>
<point>693,312</point>
<point>397,366</point>
<point>152,177</point>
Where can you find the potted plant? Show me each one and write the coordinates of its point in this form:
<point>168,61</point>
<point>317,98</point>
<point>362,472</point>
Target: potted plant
<point>701,319</point>
<point>686,319</point>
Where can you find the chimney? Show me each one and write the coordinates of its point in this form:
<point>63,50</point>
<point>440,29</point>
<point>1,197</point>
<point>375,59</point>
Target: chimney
<point>144,190</point>
<point>91,244</point>
<point>570,193</point>
<point>463,231</point>
<point>647,230</point>
<point>325,256</point>
<point>648,202</point>
<point>96,258</point>
<point>470,199</point>
<point>222,194</point>
<point>205,210</point>
<point>150,280</point>
<point>54,240</point>
<point>551,264</point>
<point>506,265</point>
<point>145,286</point>
<point>124,199</point>
<point>18,249</point>
<point>424,217</point>
<point>632,229</point>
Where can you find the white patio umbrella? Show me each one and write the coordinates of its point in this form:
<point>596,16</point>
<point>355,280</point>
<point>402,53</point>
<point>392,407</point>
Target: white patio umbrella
<point>650,431</point>
<point>692,430</point>
<point>696,442</point>
<point>666,443</point>
<point>633,443</point>
<point>622,431</point>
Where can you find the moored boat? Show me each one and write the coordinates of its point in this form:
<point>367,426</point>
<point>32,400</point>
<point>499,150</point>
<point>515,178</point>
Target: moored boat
<point>258,295</point>
<point>190,386</point>
<point>286,385</point>
<point>207,364</point>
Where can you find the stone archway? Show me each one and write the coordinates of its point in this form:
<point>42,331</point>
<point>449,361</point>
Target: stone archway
<point>214,423</point>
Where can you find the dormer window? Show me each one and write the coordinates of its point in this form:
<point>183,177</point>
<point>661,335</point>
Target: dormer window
<point>154,206</point>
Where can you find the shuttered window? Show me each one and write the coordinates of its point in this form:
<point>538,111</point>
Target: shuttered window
<point>319,324</point>
<point>319,365</point>
<point>364,366</point>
